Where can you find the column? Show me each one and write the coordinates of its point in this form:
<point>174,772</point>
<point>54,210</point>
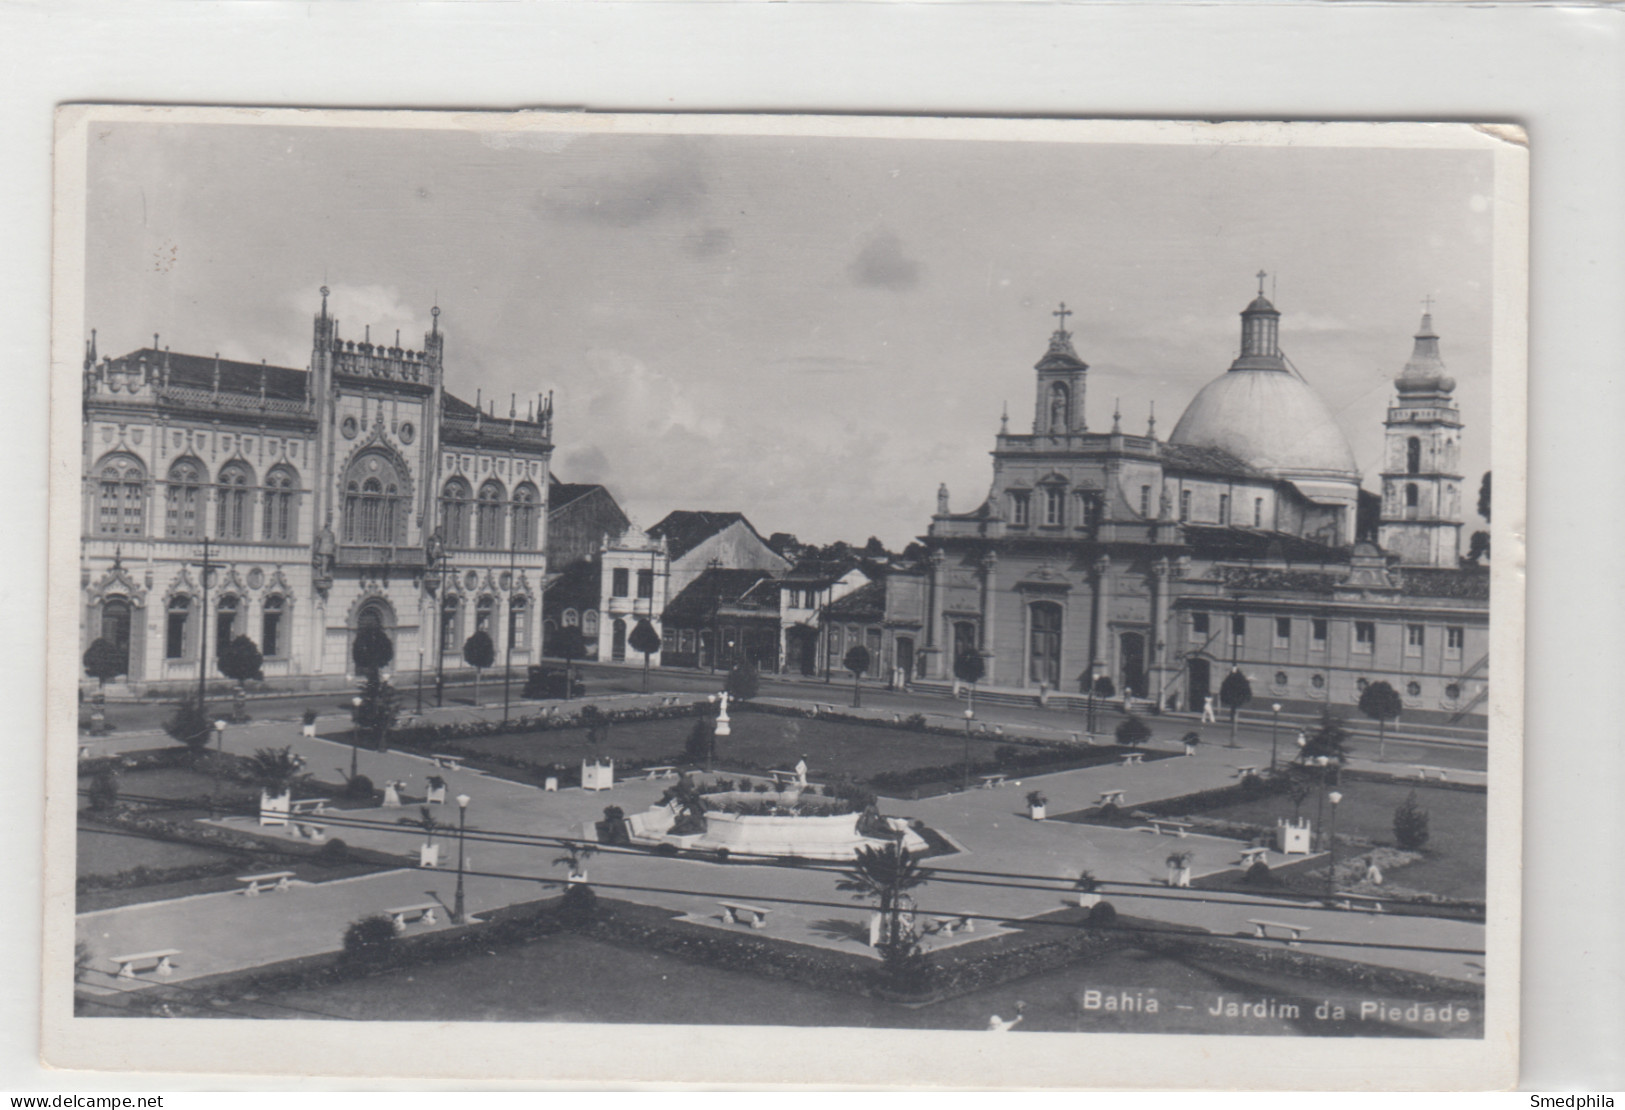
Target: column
<point>1159,629</point>
<point>938,666</point>
<point>990,565</point>
<point>1098,653</point>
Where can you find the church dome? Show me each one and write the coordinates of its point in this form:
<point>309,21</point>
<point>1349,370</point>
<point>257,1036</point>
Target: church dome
<point>1264,414</point>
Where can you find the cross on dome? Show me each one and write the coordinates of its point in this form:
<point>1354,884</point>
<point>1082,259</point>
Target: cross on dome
<point>1427,303</point>
<point>1261,275</point>
<point>1061,314</point>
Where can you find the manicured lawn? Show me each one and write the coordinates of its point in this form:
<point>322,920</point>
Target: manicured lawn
<point>571,978</point>
<point>107,851</point>
<point>1455,853</point>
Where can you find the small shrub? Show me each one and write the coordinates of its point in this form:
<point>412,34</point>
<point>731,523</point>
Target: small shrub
<point>1102,915</point>
<point>1410,824</point>
<point>697,748</point>
<point>371,939</point>
<point>359,788</point>
<point>103,792</point>
<point>1132,732</point>
<point>333,851</point>
<point>722,855</point>
<point>1259,874</point>
<point>1109,812</point>
<point>916,722</point>
<point>590,713</point>
<point>763,788</point>
<point>310,716</point>
<point>665,849</point>
<point>579,904</point>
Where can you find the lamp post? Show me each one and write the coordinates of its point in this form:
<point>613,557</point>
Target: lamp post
<point>1331,869</point>
<point>1320,800</point>
<point>220,735</point>
<point>462,826</point>
<point>355,729</point>
<point>1275,720</point>
<point>1091,694</point>
<point>970,715</point>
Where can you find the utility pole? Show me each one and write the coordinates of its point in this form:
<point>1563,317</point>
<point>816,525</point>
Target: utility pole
<point>203,642</point>
<point>513,585</point>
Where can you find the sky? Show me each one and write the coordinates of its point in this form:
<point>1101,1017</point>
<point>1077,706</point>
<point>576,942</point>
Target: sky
<point>815,331</point>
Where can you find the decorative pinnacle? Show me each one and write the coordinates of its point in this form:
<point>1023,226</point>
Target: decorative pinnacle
<point>1117,415</point>
<point>1261,275</point>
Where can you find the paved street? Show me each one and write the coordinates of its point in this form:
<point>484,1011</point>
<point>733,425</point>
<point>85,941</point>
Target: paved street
<point>224,931</point>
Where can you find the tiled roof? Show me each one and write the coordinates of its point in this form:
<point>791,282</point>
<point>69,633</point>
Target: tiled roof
<point>820,570</point>
<point>1466,583</point>
<point>1206,460</point>
<point>1215,542</point>
<point>197,372</point>
<point>867,603</point>
<point>686,529</point>
<point>560,494</point>
<point>576,587</point>
<point>716,586</point>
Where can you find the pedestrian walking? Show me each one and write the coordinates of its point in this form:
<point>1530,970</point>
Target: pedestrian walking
<point>1208,715</point>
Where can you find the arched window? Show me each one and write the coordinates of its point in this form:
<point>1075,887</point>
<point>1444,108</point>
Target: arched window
<point>488,517</point>
<point>589,624</point>
<point>372,496</point>
<point>116,619</point>
<point>183,501</point>
<point>1054,506</point>
<point>524,517</point>
<point>225,623</point>
<point>281,519</point>
<point>234,519</point>
<point>271,639</point>
<point>519,622</point>
<point>450,622</point>
<point>454,498</point>
<point>177,629</point>
<point>482,615</point>
<point>1411,495</point>
<point>120,502</point>
<point>1413,456</point>
<point>571,618</point>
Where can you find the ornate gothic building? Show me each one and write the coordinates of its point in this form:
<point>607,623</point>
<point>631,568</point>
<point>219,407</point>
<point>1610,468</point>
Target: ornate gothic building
<point>1236,542</point>
<point>295,507</point>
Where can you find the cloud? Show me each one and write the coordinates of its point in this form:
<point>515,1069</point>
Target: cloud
<point>883,264</point>
<point>709,242</point>
<point>822,364</point>
<point>585,464</point>
<point>665,181</point>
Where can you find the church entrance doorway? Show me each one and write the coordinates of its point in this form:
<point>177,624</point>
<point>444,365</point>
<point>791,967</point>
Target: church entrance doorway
<point>1200,677</point>
<point>1132,664</point>
<point>116,629</point>
<point>905,657</point>
<point>1045,655</point>
<point>373,614</point>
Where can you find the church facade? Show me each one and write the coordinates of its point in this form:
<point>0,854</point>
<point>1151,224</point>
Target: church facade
<point>1153,567</point>
<point>297,506</point>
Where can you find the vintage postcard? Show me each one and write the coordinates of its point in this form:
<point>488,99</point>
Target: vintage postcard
<point>760,600</point>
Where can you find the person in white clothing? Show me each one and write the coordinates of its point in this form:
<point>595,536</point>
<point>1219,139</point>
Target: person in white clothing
<point>1208,716</point>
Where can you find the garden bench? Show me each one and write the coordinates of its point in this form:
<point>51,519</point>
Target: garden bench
<point>308,830</point>
<point>738,913</point>
<point>1348,900</point>
<point>1110,798</point>
<point>308,805</point>
<point>1250,856</point>
<point>1132,759</point>
<point>158,959</point>
<point>1261,929</point>
<point>947,926</point>
<point>991,781</point>
<point>661,773</point>
<point>448,762</point>
<point>84,751</point>
<point>1163,825</point>
<point>1243,772</point>
<point>272,880</point>
<point>400,915</point>
<point>1425,773</point>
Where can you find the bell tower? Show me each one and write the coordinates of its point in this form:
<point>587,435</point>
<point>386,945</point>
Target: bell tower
<point>1061,378</point>
<point>1421,474</point>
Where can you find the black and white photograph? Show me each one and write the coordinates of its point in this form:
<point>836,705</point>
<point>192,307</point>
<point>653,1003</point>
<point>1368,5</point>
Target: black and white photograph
<point>781,579</point>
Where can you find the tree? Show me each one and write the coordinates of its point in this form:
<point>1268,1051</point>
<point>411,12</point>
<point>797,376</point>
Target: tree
<point>646,641</point>
<point>1381,703</point>
<point>569,645</point>
<point>1329,739</point>
<point>1478,547</point>
<point>1484,497</point>
<point>276,770</point>
<point>240,660</point>
<point>857,662</point>
<point>370,939</point>
<point>375,715</point>
<point>1234,692</point>
<point>1410,824</point>
<point>1131,731</point>
<point>743,681</point>
<point>189,723</point>
<point>103,660</point>
<point>479,652</point>
<point>969,667</point>
<point>886,874</point>
<point>1104,686</point>
<point>372,650</point>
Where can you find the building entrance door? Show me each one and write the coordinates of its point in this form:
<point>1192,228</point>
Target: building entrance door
<point>617,641</point>
<point>905,656</point>
<point>1199,678</point>
<point>116,629</point>
<point>1045,655</point>
<point>1132,664</point>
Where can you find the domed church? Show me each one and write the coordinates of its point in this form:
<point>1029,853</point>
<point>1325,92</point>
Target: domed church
<point>1149,568</point>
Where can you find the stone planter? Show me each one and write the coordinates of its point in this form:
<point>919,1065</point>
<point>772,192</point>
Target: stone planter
<point>1037,812</point>
<point>436,796</point>
<point>1086,901</point>
<point>597,776</point>
<point>428,855</point>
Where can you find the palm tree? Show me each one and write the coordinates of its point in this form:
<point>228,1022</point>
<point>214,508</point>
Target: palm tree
<point>276,770</point>
<point>885,874</point>
<point>576,855</point>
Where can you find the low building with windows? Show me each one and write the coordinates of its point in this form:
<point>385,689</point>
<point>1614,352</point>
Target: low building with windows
<point>723,617</point>
<point>297,506</point>
<point>1241,541</point>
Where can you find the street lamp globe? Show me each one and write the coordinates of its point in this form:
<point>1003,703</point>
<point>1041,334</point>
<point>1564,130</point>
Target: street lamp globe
<point>1275,708</point>
<point>463,800</point>
<point>970,714</point>
<point>1334,797</point>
